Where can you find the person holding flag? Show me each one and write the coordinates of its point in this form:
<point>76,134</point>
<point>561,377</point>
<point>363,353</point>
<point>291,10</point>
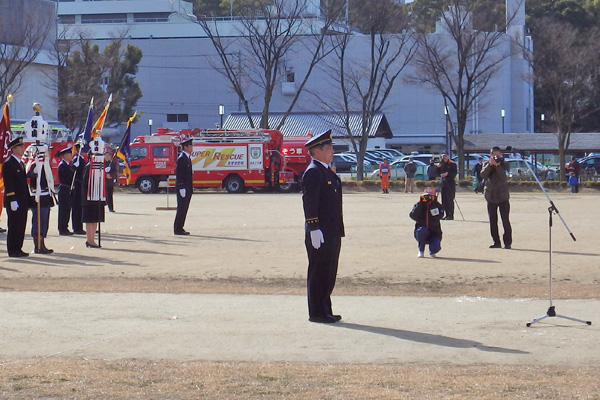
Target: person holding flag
<point>123,151</point>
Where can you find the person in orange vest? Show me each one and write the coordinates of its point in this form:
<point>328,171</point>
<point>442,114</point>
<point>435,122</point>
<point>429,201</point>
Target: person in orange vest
<point>384,174</point>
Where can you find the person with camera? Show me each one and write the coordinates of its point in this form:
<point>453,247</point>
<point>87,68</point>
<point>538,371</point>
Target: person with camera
<point>494,172</point>
<point>448,170</point>
<point>427,214</point>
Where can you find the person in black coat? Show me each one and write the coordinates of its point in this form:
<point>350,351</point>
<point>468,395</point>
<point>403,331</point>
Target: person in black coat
<point>16,198</point>
<point>111,170</point>
<point>66,171</point>
<point>324,227</point>
<point>427,214</point>
<point>448,171</point>
<point>183,186</point>
<point>77,191</point>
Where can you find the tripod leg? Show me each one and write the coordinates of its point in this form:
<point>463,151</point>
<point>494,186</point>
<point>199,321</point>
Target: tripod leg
<point>537,320</point>
<point>574,319</point>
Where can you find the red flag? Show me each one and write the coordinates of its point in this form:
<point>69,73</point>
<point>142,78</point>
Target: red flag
<point>5,134</point>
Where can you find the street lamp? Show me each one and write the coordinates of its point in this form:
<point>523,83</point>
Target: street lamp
<point>502,114</point>
<point>542,118</point>
<point>150,125</point>
<point>221,112</point>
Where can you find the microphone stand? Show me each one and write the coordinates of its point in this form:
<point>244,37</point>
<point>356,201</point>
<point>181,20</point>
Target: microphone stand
<point>551,210</point>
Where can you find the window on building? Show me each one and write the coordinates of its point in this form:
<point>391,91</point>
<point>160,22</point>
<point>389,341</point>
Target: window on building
<point>66,19</point>
<point>290,77</point>
<point>151,17</point>
<point>177,118</point>
<point>104,18</point>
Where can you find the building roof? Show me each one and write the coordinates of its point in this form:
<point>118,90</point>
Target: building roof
<point>532,142</point>
<point>300,124</point>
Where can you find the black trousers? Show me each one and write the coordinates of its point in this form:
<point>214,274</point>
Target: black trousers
<point>64,208</point>
<point>448,193</point>
<point>183,204</point>
<point>322,272</point>
<point>109,197</point>
<point>504,208</point>
<point>17,221</point>
<point>76,221</point>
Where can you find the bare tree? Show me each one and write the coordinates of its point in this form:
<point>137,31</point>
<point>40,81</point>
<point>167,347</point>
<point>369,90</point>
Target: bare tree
<point>23,36</point>
<point>365,84</point>
<point>269,31</point>
<point>566,69</point>
<point>459,63</point>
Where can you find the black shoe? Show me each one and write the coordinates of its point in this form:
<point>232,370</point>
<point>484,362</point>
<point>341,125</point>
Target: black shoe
<point>449,218</point>
<point>181,232</point>
<point>496,246</point>
<point>19,253</point>
<point>111,210</point>
<point>65,233</point>
<point>507,246</point>
<point>2,230</point>
<point>80,232</point>
<point>93,245</point>
<point>337,317</point>
<point>324,320</point>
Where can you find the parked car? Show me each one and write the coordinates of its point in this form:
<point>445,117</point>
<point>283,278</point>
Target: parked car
<point>471,160</point>
<point>424,158</point>
<point>397,170</point>
<point>521,168</point>
<point>343,162</point>
<point>389,154</point>
<point>590,162</point>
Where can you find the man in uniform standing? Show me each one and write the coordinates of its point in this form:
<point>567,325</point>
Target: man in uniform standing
<point>183,186</point>
<point>16,198</point>
<point>324,227</point>
<point>448,171</point>
<point>65,180</point>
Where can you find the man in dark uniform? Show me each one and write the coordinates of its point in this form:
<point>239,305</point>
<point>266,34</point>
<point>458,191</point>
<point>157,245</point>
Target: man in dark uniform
<point>448,170</point>
<point>65,180</point>
<point>16,198</point>
<point>324,227</point>
<point>76,187</point>
<point>111,169</point>
<point>183,185</point>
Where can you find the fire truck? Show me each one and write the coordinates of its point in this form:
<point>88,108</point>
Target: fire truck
<point>232,159</point>
<point>297,160</point>
<point>58,139</point>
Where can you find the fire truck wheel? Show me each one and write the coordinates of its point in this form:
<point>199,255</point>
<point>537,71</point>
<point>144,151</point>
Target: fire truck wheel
<point>147,185</point>
<point>234,184</point>
<point>287,188</point>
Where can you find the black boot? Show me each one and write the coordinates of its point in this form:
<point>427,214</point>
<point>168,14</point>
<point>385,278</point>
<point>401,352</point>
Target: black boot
<point>46,250</point>
<point>41,249</point>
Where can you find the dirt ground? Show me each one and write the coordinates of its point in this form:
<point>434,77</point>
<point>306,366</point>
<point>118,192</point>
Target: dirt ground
<point>252,244</point>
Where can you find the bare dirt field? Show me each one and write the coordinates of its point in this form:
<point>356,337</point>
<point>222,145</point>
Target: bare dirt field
<point>246,254</point>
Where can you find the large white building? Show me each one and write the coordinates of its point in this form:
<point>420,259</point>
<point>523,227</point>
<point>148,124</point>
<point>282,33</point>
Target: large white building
<point>38,80</point>
<point>181,89</point>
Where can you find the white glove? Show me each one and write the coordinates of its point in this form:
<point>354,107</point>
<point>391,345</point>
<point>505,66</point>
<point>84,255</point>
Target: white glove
<point>14,206</point>
<point>38,168</point>
<point>182,192</point>
<point>316,238</point>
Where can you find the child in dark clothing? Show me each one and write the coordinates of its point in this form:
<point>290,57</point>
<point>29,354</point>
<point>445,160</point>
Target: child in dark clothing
<point>427,213</point>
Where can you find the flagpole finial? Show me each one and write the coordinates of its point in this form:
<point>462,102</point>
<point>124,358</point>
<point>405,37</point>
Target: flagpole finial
<point>37,107</point>
<point>9,98</point>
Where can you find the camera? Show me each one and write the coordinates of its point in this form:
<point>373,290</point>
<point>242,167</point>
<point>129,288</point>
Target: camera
<point>498,159</point>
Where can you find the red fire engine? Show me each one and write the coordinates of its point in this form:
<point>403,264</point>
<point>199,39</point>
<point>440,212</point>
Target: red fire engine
<point>58,139</point>
<point>233,159</point>
<point>297,160</point>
